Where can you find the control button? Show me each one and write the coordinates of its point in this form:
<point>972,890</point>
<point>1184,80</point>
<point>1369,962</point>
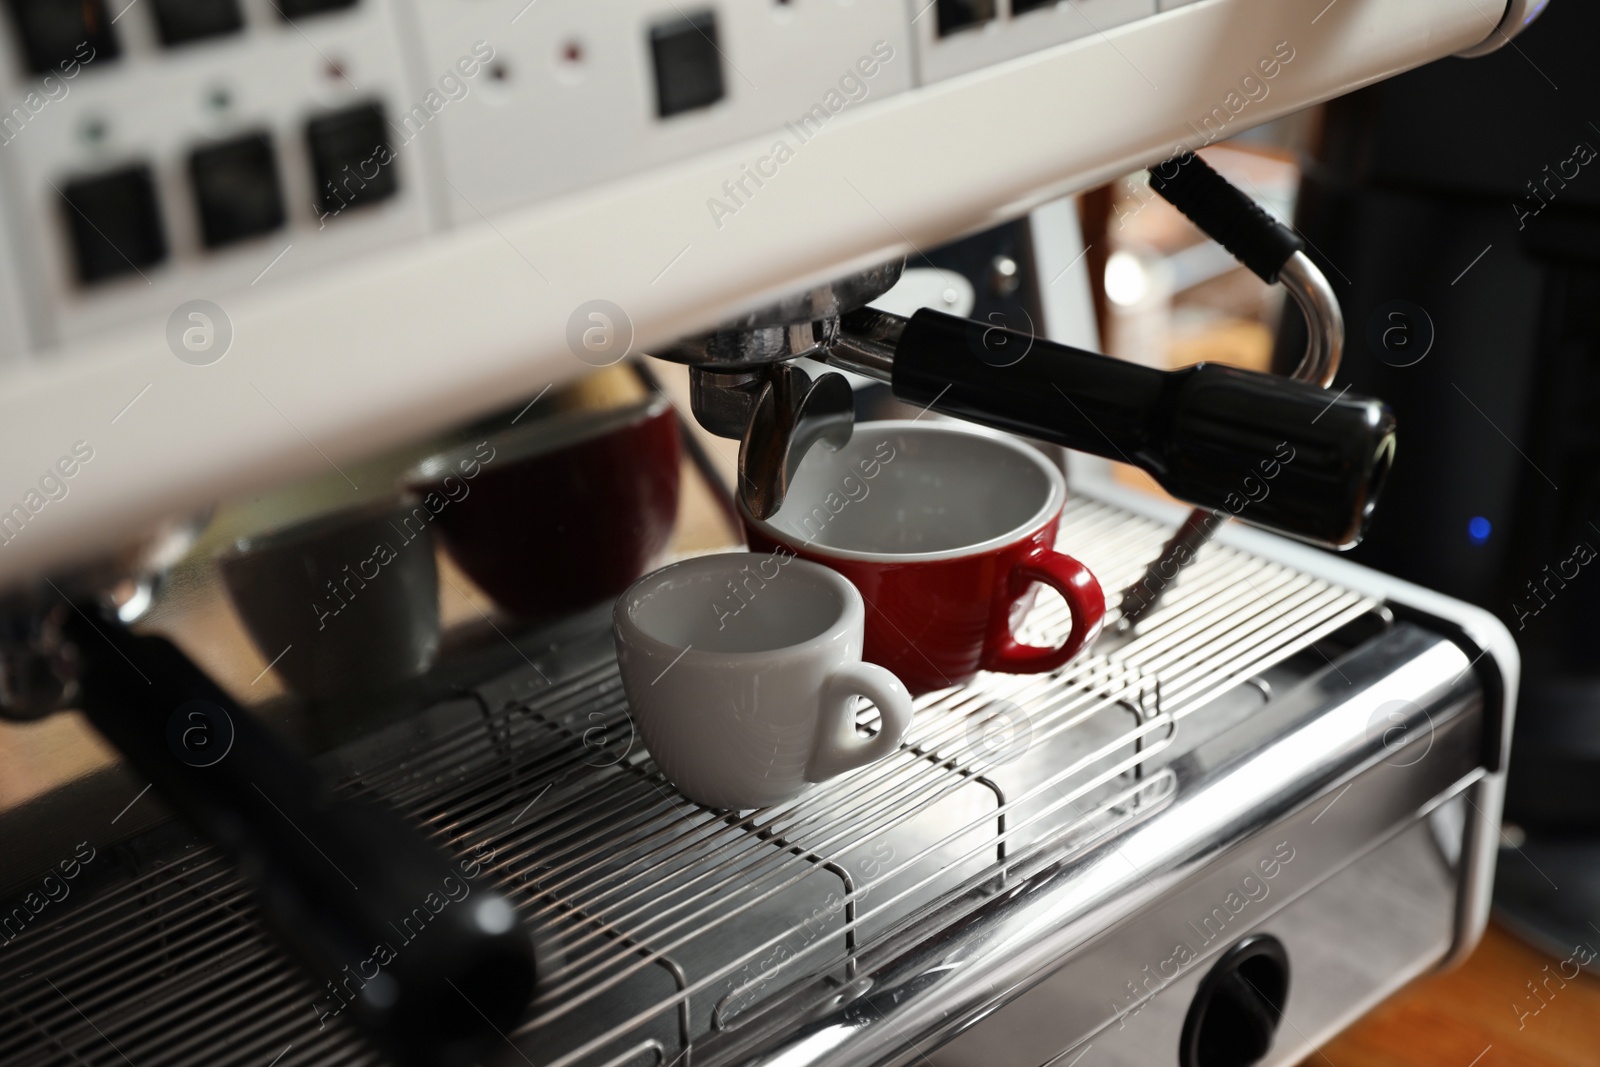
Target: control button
<point>351,158</point>
<point>688,65</point>
<point>58,33</point>
<point>181,21</point>
<point>962,14</point>
<point>115,223</point>
<point>293,9</point>
<point>236,186</point>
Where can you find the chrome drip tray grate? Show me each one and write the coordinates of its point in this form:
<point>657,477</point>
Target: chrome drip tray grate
<point>669,932</point>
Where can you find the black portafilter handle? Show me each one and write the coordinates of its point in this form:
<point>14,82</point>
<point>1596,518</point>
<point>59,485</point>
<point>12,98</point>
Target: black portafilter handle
<point>1226,215</point>
<point>1273,452</point>
<point>430,964</point>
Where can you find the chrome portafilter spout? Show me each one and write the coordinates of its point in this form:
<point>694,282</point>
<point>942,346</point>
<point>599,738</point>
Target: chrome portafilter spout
<point>744,385</point>
<point>776,411</point>
<point>793,413</point>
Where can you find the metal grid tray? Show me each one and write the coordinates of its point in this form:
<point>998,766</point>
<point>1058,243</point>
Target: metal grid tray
<point>669,932</point>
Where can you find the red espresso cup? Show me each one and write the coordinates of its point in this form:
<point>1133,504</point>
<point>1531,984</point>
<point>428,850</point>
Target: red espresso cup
<point>561,513</point>
<point>947,532</point>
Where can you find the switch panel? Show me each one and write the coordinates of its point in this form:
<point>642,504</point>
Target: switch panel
<point>54,33</point>
<point>293,9</point>
<point>182,21</point>
<point>221,121</point>
<point>956,15</point>
<point>236,189</point>
<point>572,96</point>
<point>254,128</point>
<point>115,223</point>
<point>688,66</point>
<point>970,35</point>
<point>351,158</point>
<point>258,137</point>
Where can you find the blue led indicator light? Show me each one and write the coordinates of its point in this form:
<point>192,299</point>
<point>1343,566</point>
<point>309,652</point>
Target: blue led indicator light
<point>1478,529</point>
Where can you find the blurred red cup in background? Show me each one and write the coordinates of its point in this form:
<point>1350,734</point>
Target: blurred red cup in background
<point>562,513</point>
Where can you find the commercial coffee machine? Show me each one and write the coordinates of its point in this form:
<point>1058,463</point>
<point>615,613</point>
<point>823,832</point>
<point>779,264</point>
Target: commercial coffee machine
<point>253,245</point>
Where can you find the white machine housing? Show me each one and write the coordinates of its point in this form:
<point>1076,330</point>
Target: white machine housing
<point>546,180</point>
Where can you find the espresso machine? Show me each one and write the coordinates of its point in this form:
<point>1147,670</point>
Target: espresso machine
<point>256,244</point>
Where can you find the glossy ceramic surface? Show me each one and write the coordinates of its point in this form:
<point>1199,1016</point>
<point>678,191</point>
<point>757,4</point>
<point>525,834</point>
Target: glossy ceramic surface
<point>742,672</point>
<point>945,531</point>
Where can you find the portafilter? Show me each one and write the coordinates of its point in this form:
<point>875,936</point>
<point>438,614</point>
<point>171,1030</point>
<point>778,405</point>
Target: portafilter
<point>1199,431</point>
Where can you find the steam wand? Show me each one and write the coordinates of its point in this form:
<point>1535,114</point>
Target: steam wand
<point>1275,253</point>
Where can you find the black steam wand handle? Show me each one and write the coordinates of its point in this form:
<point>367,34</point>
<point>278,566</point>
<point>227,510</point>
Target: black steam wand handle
<point>1226,215</point>
<point>397,936</point>
<point>1272,451</point>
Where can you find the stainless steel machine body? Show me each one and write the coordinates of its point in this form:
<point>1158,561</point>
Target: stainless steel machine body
<point>1044,873</point>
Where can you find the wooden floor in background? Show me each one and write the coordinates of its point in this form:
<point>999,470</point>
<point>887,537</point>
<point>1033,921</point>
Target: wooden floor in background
<point>1469,1017</point>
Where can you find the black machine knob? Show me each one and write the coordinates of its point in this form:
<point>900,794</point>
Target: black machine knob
<point>1236,1011</point>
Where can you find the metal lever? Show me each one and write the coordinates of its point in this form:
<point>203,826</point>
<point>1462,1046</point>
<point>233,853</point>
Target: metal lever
<point>1274,252</point>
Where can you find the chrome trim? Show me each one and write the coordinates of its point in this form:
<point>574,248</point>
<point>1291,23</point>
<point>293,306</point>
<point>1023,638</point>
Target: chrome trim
<point>1277,774</point>
<point>867,342</point>
<point>788,328</point>
<point>1480,846</point>
<point>1498,653</point>
<point>1324,321</point>
<point>1348,947</point>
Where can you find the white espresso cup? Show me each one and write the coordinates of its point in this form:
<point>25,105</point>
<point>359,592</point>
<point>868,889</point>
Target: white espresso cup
<point>742,671</point>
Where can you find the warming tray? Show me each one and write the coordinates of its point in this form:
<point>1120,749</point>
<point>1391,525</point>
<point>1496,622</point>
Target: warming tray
<point>1029,828</point>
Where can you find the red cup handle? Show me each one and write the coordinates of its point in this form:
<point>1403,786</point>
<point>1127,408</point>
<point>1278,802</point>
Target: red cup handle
<point>1084,599</point>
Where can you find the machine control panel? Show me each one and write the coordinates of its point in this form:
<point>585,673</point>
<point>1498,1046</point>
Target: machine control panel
<point>157,151</point>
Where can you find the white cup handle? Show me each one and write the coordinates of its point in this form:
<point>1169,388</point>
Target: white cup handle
<point>838,747</point>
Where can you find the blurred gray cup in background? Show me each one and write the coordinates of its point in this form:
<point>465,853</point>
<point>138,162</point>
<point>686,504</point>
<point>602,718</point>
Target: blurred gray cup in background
<point>352,596</point>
